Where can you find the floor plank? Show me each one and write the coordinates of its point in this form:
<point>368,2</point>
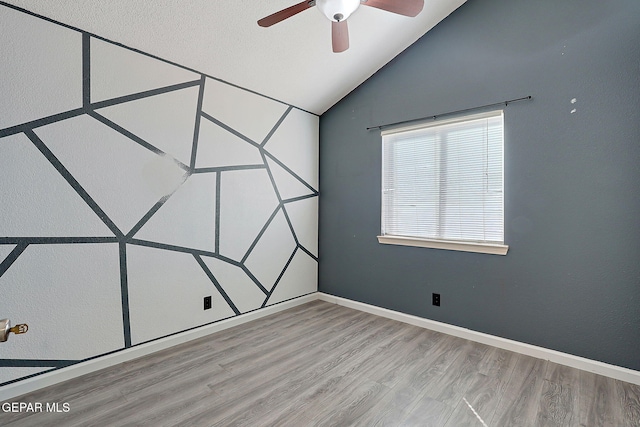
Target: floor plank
<point>559,399</point>
<point>479,403</point>
<point>428,412</point>
<point>451,385</point>
<point>519,403</point>
<point>599,403</point>
<point>629,395</point>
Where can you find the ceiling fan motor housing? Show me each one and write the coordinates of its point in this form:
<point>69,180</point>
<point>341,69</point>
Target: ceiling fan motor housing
<point>337,10</point>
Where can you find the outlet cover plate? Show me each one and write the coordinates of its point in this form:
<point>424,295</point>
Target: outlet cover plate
<point>436,300</point>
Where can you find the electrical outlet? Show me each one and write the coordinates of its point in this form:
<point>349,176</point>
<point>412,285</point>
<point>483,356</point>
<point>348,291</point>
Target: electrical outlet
<point>207,303</point>
<point>436,299</point>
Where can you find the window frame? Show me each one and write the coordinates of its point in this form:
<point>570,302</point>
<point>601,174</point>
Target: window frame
<point>457,245</point>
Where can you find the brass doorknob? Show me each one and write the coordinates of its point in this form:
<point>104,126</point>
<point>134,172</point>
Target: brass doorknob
<point>6,329</point>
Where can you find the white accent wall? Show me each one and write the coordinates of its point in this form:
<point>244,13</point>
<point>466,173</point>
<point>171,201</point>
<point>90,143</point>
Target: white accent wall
<point>133,188</point>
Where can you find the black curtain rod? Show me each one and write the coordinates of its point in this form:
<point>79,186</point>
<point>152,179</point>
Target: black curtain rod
<point>451,112</point>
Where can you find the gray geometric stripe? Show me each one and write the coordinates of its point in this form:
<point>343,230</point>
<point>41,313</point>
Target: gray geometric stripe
<point>273,130</point>
<point>75,184</point>
<point>293,254</point>
<point>196,128</point>
<point>216,284</point>
<point>133,137</point>
<point>124,284</point>
<point>12,257</point>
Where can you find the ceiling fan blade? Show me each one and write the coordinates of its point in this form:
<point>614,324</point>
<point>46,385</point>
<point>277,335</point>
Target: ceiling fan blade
<point>401,7</point>
<point>274,18</point>
<point>339,36</point>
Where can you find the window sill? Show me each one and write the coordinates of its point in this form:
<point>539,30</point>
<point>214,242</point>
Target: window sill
<point>483,248</point>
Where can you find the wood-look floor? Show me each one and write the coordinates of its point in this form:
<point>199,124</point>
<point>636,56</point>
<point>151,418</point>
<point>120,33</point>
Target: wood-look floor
<point>321,364</point>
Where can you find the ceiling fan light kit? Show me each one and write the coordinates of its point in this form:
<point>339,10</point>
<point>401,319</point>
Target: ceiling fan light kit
<point>337,11</point>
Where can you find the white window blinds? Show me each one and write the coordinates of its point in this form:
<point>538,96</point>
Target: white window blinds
<point>444,181</point>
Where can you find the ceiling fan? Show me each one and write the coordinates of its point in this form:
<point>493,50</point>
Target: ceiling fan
<point>337,11</point>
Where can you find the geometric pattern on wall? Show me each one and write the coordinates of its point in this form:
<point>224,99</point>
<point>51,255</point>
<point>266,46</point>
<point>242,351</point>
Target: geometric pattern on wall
<point>237,284</point>
<point>289,185</point>
<point>186,218</point>
<point>117,72</point>
<point>41,65</point>
<point>48,201</point>
<point>294,145</point>
<point>302,265</point>
<point>304,218</point>
<point>273,249</point>
<point>5,250</point>
<point>122,177</point>
<point>239,106</point>
<point>218,147</point>
<point>167,122</point>
<point>249,200</point>
<point>165,293</point>
<point>143,186</point>
<point>87,278</point>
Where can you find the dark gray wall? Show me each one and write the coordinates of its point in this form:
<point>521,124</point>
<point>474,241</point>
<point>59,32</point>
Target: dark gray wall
<point>571,279</point>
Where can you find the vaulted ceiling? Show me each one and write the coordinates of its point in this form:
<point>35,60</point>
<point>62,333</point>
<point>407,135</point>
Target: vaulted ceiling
<point>291,61</point>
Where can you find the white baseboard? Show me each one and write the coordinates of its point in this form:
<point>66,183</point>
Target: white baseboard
<point>40,381</point>
<point>612,371</point>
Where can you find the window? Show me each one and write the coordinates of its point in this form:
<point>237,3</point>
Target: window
<point>442,185</point>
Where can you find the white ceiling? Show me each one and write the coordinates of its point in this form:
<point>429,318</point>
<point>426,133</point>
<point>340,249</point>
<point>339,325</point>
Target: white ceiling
<point>291,61</point>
